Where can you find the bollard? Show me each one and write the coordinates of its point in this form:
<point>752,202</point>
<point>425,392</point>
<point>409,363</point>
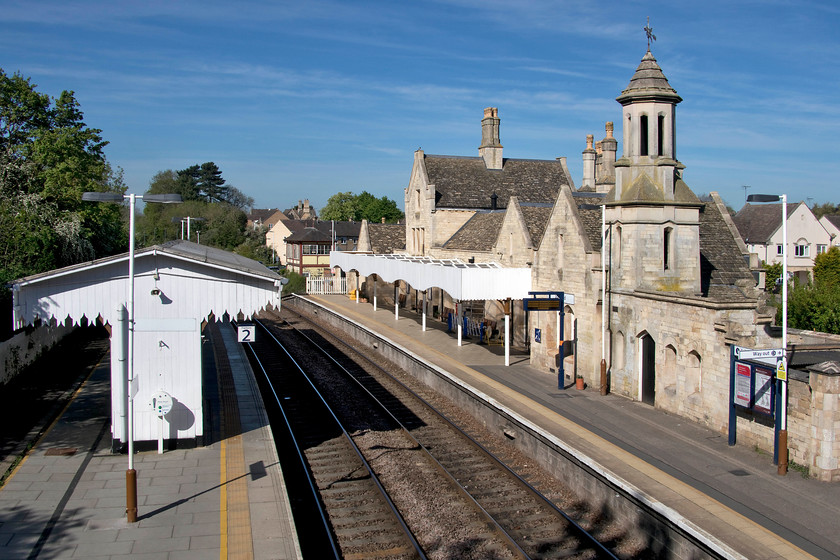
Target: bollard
<point>604,388</point>
<point>783,453</point>
<point>131,495</point>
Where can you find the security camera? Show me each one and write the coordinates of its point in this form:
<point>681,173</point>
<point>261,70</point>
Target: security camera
<point>155,292</point>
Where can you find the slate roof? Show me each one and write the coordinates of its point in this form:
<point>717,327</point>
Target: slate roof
<point>386,238</point>
<point>465,182</point>
<point>757,222</point>
<point>722,265</point>
<point>309,235</point>
<point>479,233</point>
<point>644,190</point>
<point>261,214</point>
<point>834,219</point>
<point>648,83</point>
<point>536,219</point>
<point>186,249</point>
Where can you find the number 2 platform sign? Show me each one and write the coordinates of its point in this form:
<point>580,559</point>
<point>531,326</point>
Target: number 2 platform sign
<point>247,333</point>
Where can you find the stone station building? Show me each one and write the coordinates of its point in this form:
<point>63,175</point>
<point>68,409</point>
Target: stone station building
<point>663,284</point>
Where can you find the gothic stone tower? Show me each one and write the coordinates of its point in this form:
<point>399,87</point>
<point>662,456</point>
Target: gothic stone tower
<point>654,215</point>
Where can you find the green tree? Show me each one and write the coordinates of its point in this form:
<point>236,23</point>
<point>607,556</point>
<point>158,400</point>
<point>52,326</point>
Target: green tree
<point>364,206</point>
<point>827,268</point>
<point>772,273</point>
<point>821,210</point>
<point>340,206</point>
<point>48,158</point>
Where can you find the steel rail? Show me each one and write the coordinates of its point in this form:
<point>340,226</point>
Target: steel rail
<point>312,485</point>
<point>601,548</point>
<point>489,519</point>
<point>400,520</point>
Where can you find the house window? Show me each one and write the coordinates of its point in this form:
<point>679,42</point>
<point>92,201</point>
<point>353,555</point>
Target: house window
<point>821,249</point>
<point>780,250</point>
<point>802,250</point>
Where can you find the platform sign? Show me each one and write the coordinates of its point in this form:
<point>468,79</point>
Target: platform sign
<point>246,332</point>
<point>542,304</point>
<point>763,392</point>
<point>743,381</point>
<point>781,370</point>
<point>750,354</point>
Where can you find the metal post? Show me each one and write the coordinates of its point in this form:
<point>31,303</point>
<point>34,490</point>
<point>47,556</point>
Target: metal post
<point>374,291</point>
<point>397,300</point>
<point>131,474</point>
<point>507,332</point>
<point>783,449</point>
<point>458,320</point>
<point>424,310</point>
<point>604,387</point>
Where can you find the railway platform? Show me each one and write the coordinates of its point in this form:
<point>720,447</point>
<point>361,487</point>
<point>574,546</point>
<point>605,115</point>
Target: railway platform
<point>227,499</point>
<point>732,493</point>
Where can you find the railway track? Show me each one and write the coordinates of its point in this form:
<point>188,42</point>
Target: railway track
<point>456,498</point>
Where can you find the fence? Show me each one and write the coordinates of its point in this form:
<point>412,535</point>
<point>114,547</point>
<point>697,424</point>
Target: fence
<point>325,285</point>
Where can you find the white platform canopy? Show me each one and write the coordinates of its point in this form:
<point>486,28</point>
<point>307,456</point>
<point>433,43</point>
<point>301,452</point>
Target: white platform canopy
<point>177,286</point>
<point>463,281</point>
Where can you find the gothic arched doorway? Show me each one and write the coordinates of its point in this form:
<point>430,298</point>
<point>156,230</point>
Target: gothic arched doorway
<point>647,363</point>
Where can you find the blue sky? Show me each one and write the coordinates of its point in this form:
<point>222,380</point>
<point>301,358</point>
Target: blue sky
<point>305,99</point>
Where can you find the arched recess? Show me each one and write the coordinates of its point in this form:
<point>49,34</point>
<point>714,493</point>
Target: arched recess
<point>668,374</point>
<point>619,351</point>
<point>647,368</point>
<point>693,373</point>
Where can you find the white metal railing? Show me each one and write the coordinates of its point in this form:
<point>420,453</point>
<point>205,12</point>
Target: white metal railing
<point>325,285</point>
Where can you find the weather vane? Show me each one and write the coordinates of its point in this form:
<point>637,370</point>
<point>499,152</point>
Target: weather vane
<point>649,31</point>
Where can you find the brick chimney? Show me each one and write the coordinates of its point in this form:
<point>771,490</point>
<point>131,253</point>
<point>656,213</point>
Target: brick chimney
<point>491,148</point>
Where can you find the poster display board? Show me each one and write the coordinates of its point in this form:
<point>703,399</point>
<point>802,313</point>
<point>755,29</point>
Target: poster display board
<point>754,387</point>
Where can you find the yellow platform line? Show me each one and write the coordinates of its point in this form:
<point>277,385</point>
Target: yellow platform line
<point>236,539</point>
<point>714,508</point>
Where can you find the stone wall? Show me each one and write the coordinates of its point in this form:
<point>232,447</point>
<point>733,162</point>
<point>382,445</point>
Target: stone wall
<point>26,346</point>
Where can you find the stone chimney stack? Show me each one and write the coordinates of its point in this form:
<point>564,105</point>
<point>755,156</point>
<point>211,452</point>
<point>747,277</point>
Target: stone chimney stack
<point>491,148</point>
<point>605,169</point>
<point>589,154</point>
<point>306,206</point>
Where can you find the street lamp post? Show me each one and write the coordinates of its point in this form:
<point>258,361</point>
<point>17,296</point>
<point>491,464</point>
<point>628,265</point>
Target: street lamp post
<point>130,474</point>
<point>782,443</point>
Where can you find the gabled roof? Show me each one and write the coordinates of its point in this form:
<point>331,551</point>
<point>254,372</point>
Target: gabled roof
<point>465,182</point>
<point>309,235</point>
<point>479,233</point>
<point>261,214</point>
<point>833,219</point>
<point>758,222</point>
<point>386,238</point>
<point>536,220</point>
<point>177,279</point>
<point>724,272</point>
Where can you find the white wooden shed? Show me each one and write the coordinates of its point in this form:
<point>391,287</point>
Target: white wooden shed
<point>177,286</point>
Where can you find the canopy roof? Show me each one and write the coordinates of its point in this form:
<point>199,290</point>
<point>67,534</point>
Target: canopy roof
<point>178,279</point>
<point>462,281</point>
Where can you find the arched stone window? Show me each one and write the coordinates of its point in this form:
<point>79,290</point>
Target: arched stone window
<point>617,249</point>
<point>644,146</point>
<point>693,371</point>
<point>668,248</point>
<point>660,135</point>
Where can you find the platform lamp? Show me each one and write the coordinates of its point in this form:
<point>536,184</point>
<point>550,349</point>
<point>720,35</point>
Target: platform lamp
<point>782,444</point>
<point>131,474</point>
